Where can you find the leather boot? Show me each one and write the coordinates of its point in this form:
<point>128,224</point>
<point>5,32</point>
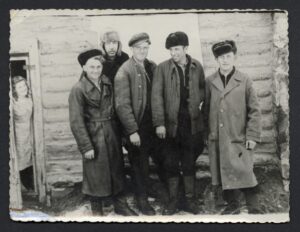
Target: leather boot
<point>97,206</point>
<point>233,207</point>
<point>144,206</point>
<point>121,207</point>
<point>190,205</point>
<point>252,201</point>
<point>172,205</point>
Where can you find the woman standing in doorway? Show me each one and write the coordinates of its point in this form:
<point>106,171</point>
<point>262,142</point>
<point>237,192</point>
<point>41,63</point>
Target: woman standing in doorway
<point>22,114</point>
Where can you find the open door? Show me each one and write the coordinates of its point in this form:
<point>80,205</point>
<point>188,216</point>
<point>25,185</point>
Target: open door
<point>27,65</point>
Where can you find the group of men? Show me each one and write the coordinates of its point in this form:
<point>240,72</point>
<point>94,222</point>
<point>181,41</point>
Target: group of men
<point>167,112</point>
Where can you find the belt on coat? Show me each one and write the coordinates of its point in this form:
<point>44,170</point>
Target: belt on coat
<point>101,119</point>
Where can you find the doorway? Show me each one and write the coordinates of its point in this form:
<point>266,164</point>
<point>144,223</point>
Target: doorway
<point>23,138</point>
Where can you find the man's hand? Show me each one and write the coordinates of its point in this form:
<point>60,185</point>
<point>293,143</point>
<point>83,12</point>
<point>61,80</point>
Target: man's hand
<point>250,144</point>
<point>89,154</point>
<point>135,139</point>
<point>161,132</point>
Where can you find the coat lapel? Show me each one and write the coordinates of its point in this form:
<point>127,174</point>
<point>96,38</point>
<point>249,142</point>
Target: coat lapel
<point>233,82</point>
<point>217,82</point>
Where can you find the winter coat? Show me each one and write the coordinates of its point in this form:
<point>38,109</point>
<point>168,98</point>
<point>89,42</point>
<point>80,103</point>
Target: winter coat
<point>110,68</point>
<point>92,121</point>
<point>233,117</point>
<point>131,93</point>
<point>165,98</point>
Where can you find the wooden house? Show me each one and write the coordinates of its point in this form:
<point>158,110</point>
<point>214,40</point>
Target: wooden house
<point>46,43</point>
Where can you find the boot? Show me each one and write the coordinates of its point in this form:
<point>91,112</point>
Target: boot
<point>121,206</point>
<point>144,206</point>
<point>171,207</point>
<point>252,201</point>
<point>190,205</point>
<point>97,206</point>
<point>233,207</point>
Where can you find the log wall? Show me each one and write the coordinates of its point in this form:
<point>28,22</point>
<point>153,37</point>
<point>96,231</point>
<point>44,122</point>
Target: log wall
<point>61,38</point>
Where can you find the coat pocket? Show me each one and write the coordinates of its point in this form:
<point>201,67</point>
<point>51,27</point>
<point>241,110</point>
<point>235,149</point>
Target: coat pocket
<point>241,158</point>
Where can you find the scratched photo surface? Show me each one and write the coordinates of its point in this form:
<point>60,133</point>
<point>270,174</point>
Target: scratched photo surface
<point>119,149</point>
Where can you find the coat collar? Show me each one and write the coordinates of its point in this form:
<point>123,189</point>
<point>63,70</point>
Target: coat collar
<point>233,82</point>
<point>119,59</point>
<point>89,85</point>
<point>193,63</point>
<point>146,62</point>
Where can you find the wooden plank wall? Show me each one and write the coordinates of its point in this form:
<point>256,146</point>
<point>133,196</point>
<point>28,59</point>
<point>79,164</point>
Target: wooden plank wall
<point>62,38</point>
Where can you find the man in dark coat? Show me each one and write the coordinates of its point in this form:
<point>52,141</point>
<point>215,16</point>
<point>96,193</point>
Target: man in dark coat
<point>177,96</point>
<point>93,124</point>
<point>234,120</point>
<point>114,56</point>
<point>133,84</point>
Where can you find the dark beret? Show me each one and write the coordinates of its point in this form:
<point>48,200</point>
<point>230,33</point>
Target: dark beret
<point>177,38</point>
<point>139,37</point>
<point>84,56</point>
<point>223,47</point>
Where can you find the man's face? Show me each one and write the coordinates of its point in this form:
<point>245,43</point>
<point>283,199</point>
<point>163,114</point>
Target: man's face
<point>226,61</point>
<point>178,53</point>
<point>93,68</point>
<point>140,50</point>
<point>111,48</point>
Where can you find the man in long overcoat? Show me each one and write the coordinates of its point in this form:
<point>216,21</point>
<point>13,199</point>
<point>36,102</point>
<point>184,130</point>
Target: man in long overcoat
<point>133,85</point>
<point>234,129</point>
<point>177,96</point>
<point>93,124</point>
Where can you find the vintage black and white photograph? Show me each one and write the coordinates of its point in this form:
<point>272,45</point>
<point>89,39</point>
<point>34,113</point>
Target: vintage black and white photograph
<point>149,116</point>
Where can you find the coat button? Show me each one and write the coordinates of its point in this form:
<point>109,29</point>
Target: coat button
<point>221,110</point>
<point>140,86</point>
<point>221,125</point>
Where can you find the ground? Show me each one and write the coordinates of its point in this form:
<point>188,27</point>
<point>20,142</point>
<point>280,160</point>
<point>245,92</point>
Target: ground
<point>67,197</point>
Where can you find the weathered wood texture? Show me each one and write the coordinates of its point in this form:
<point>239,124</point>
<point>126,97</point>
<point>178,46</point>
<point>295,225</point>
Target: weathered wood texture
<point>281,93</point>
<point>62,38</point>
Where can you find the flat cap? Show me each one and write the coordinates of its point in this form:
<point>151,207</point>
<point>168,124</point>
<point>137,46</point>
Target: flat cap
<point>85,56</point>
<point>224,47</point>
<point>139,37</point>
<point>177,38</point>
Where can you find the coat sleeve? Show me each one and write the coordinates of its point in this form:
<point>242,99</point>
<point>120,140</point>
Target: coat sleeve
<point>76,115</point>
<point>123,102</point>
<point>206,108</point>
<point>253,129</point>
<point>157,98</point>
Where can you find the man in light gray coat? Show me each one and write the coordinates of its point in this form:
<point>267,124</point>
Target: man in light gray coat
<point>234,120</point>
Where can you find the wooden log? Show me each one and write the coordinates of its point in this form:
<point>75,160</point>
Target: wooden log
<point>57,131</point>
<point>56,115</point>
<point>59,84</point>
<point>60,71</point>
<point>56,100</point>
<point>57,147</point>
<point>63,58</point>
<point>64,171</point>
<point>212,20</point>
